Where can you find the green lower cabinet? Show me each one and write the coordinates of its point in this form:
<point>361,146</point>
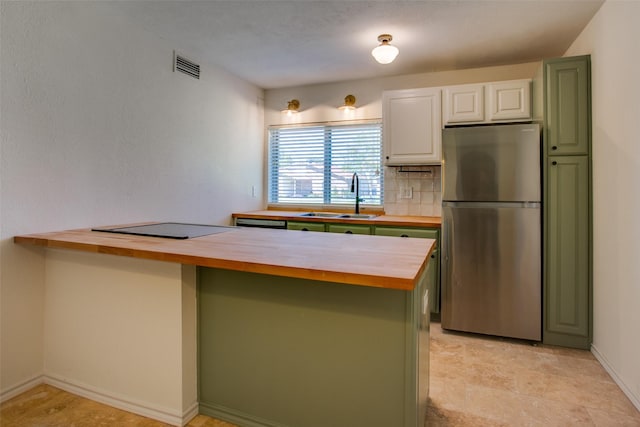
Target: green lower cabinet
<point>567,319</point>
<point>349,228</point>
<point>424,233</point>
<point>279,351</point>
<point>306,226</point>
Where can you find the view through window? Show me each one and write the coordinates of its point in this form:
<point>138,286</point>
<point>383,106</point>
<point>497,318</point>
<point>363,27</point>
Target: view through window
<point>314,164</point>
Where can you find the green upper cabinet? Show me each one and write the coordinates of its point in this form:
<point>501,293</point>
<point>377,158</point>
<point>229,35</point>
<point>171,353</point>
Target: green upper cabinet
<point>567,105</point>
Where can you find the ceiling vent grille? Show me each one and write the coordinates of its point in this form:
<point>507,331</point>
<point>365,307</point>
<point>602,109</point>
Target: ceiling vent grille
<point>183,65</point>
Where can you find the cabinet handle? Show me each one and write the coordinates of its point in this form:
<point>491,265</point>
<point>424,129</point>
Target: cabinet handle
<point>554,147</point>
<point>305,229</point>
<point>554,163</point>
<point>404,235</point>
<point>433,256</point>
<point>348,232</point>
<point>387,157</point>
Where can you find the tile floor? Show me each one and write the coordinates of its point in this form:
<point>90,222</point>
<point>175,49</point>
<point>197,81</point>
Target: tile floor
<point>475,381</point>
<point>481,381</point>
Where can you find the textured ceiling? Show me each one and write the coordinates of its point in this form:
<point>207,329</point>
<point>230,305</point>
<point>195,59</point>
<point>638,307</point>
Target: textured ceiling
<point>296,42</point>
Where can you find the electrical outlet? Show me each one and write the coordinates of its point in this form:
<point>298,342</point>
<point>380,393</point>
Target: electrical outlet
<point>253,191</point>
<point>406,193</point>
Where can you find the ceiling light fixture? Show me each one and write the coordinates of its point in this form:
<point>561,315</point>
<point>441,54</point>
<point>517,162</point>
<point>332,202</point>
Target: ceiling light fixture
<point>384,53</point>
<point>292,107</point>
<point>349,103</point>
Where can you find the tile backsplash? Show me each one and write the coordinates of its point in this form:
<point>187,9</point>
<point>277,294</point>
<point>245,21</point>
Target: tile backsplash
<point>417,192</point>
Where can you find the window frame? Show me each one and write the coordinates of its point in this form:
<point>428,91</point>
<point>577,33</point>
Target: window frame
<point>326,203</point>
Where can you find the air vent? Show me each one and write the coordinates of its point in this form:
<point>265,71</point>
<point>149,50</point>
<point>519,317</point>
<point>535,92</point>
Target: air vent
<point>183,65</point>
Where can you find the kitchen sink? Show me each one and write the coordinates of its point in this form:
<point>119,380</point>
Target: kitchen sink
<point>337,215</point>
<point>322,214</point>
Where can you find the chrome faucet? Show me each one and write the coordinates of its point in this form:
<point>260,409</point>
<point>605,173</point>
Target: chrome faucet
<point>355,188</point>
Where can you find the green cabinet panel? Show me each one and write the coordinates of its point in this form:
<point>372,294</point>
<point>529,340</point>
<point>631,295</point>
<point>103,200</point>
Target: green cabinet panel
<point>280,351</point>
<point>305,226</point>
<point>424,233</point>
<point>349,228</point>
<point>567,105</point>
<point>567,250</point>
<point>567,253</point>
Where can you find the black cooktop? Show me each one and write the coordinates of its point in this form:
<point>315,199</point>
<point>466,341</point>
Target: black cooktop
<point>171,230</point>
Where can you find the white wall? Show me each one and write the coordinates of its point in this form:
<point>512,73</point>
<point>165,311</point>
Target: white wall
<point>122,331</point>
<point>96,129</point>
<point>612,40</point>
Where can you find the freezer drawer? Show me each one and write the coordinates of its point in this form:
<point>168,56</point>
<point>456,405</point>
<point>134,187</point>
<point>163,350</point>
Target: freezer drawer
<point>491,269</point>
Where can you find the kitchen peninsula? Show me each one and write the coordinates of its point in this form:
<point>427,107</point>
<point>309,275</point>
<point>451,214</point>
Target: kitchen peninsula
<point>304,329</point>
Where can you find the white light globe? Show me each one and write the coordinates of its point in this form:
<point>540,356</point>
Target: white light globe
<point>385,53</point>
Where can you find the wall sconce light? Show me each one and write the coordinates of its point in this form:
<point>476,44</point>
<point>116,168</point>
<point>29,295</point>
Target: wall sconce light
<point>384,53</point>
<point>349,103</point>
<point>292,107</point>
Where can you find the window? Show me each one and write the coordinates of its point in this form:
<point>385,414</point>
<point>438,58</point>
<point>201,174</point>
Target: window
<point>314,164</point>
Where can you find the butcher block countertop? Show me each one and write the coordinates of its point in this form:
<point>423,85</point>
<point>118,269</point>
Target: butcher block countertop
<point>376,261</point>
<point>389,220</point>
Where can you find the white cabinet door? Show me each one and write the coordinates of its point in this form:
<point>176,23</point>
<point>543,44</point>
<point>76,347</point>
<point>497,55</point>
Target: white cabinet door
<point>412,126</point>
<point>463,104</point>
<point>508,100</point>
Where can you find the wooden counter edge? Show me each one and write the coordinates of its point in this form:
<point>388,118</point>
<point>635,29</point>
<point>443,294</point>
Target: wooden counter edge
<point>356,279</point>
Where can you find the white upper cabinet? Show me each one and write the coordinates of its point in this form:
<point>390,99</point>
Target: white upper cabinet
<point>412,128</point>
<point>463,104</point>
<point>413,118</point>
<point>507,101</point>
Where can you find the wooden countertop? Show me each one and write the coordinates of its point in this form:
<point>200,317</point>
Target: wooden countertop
<point>391,220</point>
<point>377,261</point>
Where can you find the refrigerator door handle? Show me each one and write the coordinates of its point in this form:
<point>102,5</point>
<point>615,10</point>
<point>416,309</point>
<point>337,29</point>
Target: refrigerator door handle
<point>445,245</point>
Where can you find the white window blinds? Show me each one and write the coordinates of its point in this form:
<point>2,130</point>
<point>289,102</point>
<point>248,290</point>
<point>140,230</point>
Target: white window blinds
<point>314,164</point>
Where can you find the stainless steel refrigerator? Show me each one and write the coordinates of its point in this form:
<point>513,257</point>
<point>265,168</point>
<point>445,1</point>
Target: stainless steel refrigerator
<point>491,230</point>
